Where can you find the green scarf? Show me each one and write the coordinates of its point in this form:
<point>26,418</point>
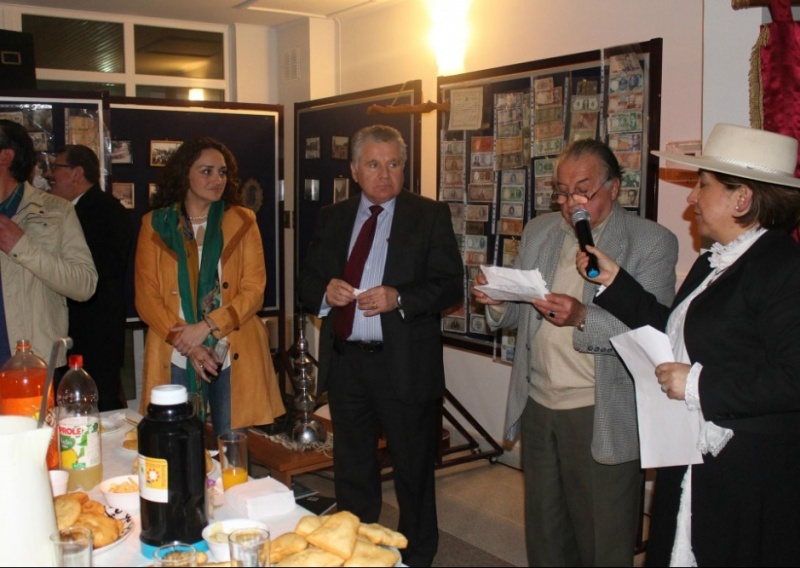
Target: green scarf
<point>198,286</point>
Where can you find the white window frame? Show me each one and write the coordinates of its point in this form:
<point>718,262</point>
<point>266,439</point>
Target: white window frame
<point>11,19</point>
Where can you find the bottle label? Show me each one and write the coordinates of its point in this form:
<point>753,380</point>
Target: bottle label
<point>153,479</point>
<point>79,441</point>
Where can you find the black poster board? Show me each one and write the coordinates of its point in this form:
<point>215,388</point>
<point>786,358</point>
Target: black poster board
<point>144,131</point>
<point>499,140</point>
<point>55,118</point>
<point>323,128</point>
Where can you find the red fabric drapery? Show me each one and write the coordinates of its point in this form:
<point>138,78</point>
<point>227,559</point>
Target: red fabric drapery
<point>775,76</point>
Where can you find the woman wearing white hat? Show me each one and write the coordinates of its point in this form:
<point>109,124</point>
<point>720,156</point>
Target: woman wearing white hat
<point>734,328</point>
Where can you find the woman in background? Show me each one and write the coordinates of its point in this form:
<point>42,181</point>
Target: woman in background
<point>734,329</point>
<point>200,277</point>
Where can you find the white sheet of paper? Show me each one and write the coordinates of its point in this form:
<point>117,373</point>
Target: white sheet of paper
<point>668,430</point>
<point>512,284</point>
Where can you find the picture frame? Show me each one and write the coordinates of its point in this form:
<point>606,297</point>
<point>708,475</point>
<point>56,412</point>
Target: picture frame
<point>311,192</point>
<point>124,192</point>
<point>341,189</point>
<point>313,148</point>
<point>121,152</point>
<point>340,147</point>
<point>161,150</point>
<point>151,191</point>
<point>39,139</point>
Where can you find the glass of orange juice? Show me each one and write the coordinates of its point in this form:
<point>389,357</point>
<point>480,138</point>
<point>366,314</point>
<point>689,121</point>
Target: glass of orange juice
<point>233,458</point>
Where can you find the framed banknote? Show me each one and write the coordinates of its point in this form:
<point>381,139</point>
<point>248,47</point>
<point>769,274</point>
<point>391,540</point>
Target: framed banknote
<point>497,153</point>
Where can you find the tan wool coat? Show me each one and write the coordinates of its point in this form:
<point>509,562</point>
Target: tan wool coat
<point>255,395</point>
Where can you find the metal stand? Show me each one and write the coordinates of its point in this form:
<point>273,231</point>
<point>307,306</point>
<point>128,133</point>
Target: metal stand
<point>447,455</point>
<point>471,445</point>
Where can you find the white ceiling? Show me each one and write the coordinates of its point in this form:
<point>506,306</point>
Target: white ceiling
<point>256,12</point>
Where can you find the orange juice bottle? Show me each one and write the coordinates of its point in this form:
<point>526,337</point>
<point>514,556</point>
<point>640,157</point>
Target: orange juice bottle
<point>22,380</point>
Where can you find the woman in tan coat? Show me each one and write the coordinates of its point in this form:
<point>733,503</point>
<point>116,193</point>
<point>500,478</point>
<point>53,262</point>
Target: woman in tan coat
<point>200,277</point>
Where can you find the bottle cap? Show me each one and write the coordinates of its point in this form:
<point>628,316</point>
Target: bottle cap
<point>75,361</point>
<point>167,395</point>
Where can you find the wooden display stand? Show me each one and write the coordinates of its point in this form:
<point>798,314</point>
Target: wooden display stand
<point>283,463</point>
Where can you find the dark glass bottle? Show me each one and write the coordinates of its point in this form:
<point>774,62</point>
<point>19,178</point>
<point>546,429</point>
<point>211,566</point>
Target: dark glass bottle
<point>171,470</point>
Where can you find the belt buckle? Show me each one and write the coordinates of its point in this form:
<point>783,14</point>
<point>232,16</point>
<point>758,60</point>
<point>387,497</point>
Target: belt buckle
<point>371,346</point>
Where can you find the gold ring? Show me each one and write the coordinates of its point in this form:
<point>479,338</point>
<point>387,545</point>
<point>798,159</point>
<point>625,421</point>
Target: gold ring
<point>374,305</point>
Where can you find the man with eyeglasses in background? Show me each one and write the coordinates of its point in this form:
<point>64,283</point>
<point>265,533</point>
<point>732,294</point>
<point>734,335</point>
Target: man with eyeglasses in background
<point>97,326</point>
<point>43,253</point>
<point>571,398</point>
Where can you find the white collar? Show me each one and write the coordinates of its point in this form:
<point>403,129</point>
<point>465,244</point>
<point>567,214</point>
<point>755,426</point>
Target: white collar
<point>722,256</point>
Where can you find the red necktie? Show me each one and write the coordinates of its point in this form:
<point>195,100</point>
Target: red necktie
<point>343,324</point>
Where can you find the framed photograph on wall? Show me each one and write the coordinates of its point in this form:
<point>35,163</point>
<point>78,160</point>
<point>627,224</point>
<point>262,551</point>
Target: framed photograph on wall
<point>121,152</point>
<point>161,150</point>
<point>311,192</point>
<point>313,148</point>
<point>341,189</point>
<point>124,192</point>
<point>39,141</point>
<point>340,146</point>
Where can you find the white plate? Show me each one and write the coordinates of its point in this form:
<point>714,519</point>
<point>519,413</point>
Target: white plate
<point>127,528</point>
<point>109,425</point>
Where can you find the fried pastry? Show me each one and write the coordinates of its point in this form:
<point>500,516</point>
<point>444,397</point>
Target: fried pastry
<point>380,535</point>
<point>337,534</point>
<point>286,545</point>
<point>311,556</point>
<point>308,524</point>
<point>67,511</point>
<point>105,530</point>
<point>368,554</point>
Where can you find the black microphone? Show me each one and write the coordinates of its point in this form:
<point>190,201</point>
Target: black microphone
<point>580,219</point>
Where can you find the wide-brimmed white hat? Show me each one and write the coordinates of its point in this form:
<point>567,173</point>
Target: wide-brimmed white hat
<point>745,152</point>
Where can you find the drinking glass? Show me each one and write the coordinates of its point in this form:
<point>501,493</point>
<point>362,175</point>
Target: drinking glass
<point>72,546</point>
<point>175,553</point>
<point>233,458</point>
<point>249,547</point>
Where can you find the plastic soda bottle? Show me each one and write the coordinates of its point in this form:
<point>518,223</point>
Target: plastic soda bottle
<point>22,380</point>
<point>79,427</point>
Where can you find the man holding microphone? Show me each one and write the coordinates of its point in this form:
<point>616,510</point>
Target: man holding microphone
<point>570,398</point>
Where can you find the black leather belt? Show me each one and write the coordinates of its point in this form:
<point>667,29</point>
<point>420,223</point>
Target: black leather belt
<point>366,346</point>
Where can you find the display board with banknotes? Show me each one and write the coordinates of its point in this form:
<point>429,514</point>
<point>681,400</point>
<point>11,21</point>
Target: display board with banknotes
<point>498,145</point>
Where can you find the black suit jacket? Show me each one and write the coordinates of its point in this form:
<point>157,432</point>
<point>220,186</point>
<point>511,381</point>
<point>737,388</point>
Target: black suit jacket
<point>97,326</point>
<point>422,262</point>
<point>743,329</point>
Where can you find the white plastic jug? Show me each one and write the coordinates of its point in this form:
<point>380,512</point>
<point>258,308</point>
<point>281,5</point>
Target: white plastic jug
<point>27,514</point>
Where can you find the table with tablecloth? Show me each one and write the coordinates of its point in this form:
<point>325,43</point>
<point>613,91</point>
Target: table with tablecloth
<point>119,461</point>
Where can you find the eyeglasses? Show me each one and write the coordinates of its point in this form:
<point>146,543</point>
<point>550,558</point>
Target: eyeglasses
<point>562,197</point>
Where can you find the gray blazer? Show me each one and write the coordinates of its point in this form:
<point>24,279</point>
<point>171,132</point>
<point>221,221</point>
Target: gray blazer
<point>644,249</point>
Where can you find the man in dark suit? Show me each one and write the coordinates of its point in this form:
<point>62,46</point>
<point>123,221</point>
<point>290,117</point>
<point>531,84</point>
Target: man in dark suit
<point>97,326</point>
<point>387,374</point>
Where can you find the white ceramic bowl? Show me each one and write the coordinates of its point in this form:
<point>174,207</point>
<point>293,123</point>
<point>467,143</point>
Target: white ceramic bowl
<point>216,535</point>
<point>128,501</point>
